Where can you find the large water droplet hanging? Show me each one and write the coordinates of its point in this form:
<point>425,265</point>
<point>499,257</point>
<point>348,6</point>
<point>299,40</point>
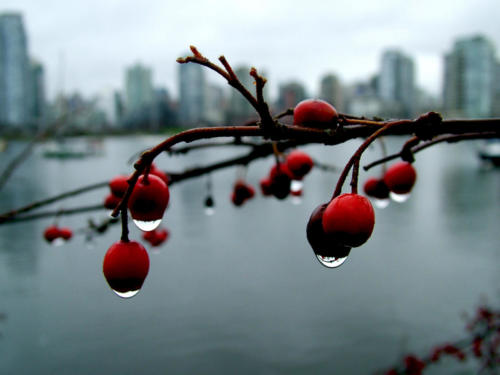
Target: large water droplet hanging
<point>128,294</point>
<point>147,226</point>
<point>381,203</point>
<point>331,262</point>
<point>399,198</point>
<point>296,186</point>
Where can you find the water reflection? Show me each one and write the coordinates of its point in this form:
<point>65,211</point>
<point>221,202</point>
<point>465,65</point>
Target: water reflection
<point>237,292</point>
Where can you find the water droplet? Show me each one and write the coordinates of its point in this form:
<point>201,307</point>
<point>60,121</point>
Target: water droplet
<point>331,262</point>
<point>147,226</point>
<point>399,198</point>
<point>381,203</point>
<point>128,294</point>
<point>209,211</point>
<point>58,242</point>
<point>296,185</point>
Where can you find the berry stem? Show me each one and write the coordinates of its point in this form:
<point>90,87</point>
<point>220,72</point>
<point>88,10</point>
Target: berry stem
<point>276,153</point>
<point>124,217</point>
<point>384,153</point>
<point>357,155</point>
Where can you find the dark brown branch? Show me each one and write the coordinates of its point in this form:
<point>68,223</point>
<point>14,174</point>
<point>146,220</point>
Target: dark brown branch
<point>357,155</point>
<point>443,138</point>
<point>257,102</point>
<point>52,213</point>
<point>293,135</point>
<point>8,216</point>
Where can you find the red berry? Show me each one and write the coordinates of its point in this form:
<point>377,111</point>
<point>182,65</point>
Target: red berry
<point>51,233</point>
<point>241,192</point>
<point>376,188</point>
<point>314,112</point>
<point>265,186</point>
<point>111,201</point>
<point>299,164</point>
<point>119,185</point>
<point>400,177</point>
<point>158,172</point>
<point>149,199</point>
<point>323,244</point>
<point>280,181</point>
<point>414,365</point>
<point>65,233</point>
<point>125,266</point>
<point>350,219</point>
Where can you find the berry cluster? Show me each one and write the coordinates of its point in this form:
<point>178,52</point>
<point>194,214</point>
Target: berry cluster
<point>242,192</point>
<point>126,263</point>
<point>396,183</point>
<point>55,234</point>
<point>334,228</point>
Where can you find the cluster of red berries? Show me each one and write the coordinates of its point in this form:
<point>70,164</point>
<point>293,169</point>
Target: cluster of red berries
<point>345,222</point>
<point>484,344</point>
<point>279,181</point>
<point>119,185</point>
<point>126,263</point>
<point>412,366</point>
<point>242,192</point>
<point>447,349</point>
<point>398,179</point>
<point>53,233</point>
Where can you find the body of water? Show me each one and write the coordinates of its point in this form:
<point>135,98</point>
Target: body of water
<point>240,292</point>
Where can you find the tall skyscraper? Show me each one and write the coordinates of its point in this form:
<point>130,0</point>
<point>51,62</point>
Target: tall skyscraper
<point>14,71</point>
<point>192,94</point>
<point>239,109</point>
<point>139,93</point>
<point>289,95</point>
<point>331,91</point>
<point>469,78</point>
<point>36,93</point>
<point>396,84</point>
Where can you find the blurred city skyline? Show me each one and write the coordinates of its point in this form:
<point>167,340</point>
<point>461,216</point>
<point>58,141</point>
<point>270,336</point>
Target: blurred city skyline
<point>87,47</point>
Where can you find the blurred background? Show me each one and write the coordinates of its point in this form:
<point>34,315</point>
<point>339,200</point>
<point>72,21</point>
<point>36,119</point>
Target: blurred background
<point>240,291</point>
<point>115,62</point>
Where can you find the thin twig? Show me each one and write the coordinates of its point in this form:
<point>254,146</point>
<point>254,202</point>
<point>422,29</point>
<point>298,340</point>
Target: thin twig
<point>443,138</point>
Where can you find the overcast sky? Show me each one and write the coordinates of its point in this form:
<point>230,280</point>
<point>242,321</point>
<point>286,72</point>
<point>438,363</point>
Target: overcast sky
<point>86,45</point>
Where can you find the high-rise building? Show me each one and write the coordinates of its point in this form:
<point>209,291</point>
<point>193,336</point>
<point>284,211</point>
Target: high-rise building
<point>139,93</point>
<point>192,94</point>
<point>139,97</point>
<point>14,71</point>
<point>239,109</point>
<point>215,105</point>
<point>362,99</point>
<point>469,78</point>
<point>496,92</point>
<point>36,91</point>
<point>396,84</point>
<point>331,91</point>
<point>289,95</point>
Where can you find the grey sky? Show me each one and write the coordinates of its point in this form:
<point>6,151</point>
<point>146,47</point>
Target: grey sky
<point>98,39</point>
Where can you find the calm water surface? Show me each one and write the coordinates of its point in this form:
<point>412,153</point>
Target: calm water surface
<point>240,292</point>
